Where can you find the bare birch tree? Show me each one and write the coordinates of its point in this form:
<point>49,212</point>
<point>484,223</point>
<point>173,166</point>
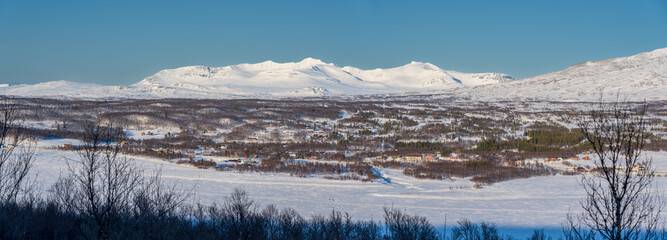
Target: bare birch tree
<point>620,202</point>
<point>16,155</point>
<point>101,183</point>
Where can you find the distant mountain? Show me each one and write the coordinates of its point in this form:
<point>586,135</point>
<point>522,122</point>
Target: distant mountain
<point>314,77</point>
<point>310,77</point>
<point>638,77</point>
<point>417,75</point>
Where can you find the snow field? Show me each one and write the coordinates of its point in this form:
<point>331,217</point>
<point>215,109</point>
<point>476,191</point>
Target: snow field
<point>540,202</point>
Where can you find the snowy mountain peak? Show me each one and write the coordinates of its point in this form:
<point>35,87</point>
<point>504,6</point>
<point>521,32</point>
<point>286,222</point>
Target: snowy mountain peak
<point>425,66</point>
<point>311,61</point>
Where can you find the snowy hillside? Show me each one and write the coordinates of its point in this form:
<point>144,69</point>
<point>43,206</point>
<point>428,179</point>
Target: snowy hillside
<point>309,77</point>
<point>638,77</point>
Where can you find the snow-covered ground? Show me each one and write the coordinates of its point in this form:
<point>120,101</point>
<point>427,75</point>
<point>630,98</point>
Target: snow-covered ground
<point>53,143</point>
<point>517,206</point>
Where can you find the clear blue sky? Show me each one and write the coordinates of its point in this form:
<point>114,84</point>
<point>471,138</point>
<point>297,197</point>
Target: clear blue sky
<point>121,42</point>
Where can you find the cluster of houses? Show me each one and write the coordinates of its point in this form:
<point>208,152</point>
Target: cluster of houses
<point>4,146</point>
<point>434,157</point>
<point>574,158</point>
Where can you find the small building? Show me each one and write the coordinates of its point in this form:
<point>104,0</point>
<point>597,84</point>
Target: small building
<point>413,157</point>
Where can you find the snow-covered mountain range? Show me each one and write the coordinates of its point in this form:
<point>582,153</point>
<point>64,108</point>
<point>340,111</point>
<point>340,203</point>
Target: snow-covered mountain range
<point>310,77</point>
<point>642,76</point>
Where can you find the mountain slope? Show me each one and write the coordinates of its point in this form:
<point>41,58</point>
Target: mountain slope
<point>638,77</point>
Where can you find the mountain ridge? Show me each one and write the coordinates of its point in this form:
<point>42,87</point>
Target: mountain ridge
<point>643,75</point>
<point>308,77</point>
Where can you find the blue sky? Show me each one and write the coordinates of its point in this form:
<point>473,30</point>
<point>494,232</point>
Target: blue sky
<point>121,42</point>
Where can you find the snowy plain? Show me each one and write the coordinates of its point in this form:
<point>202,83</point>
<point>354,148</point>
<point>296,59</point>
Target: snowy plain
<point>517,206</point>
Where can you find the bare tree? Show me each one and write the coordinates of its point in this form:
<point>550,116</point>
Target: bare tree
<point>16,155</point>
<point>276,135</point>
<point>468,230</point>
<point>300,135</point>
<point>156,199</point>
<point>154,204</point>
<point>620,202</point>
<point>241,210</point>
<point>400,225</point>
<point>101,184</point>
